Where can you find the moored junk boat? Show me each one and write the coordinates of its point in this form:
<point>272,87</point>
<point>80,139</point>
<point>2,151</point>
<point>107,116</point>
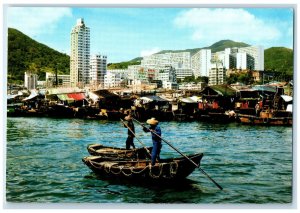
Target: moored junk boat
<point>118,153</point>
<point>267,118</point>
<point>170,169</point>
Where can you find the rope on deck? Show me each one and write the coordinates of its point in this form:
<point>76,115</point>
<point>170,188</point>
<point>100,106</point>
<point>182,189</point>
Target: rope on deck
<point>111,167</point>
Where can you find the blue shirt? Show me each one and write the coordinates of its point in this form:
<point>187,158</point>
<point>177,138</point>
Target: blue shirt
<point>157,130</point>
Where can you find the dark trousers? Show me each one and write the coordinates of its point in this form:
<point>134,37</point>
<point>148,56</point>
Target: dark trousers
<point>129,142</point>
<point>155,152</point>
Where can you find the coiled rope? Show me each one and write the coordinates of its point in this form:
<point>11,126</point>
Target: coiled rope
<point>110,167</point>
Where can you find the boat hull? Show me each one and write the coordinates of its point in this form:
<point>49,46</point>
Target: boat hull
<point>272,121</point>
<point>165,170</point>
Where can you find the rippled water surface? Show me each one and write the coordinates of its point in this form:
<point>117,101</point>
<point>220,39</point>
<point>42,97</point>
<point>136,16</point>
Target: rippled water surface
<point>43,163</point>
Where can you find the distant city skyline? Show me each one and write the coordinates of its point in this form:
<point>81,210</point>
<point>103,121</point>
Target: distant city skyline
<point>125,33</point>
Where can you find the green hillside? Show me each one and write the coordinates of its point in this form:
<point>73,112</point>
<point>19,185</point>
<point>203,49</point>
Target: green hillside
<point>221,45</point>
<point>26,54</point>
<point>125,64</point>
<point>280,60</point>
<point>192,51</point>
<point>218,46</point>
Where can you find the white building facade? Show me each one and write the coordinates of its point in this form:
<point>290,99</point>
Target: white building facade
<point>251,58</point>
<point>180,60</point>
<point>30,80</point>
<point>256,54</point>
<point>216,74</point>
<point>112,80</point>
<point>200,63</point>
<point>62,80</point>
<point>80,54</point>
<point>98,69</point>
<point>241,61</point>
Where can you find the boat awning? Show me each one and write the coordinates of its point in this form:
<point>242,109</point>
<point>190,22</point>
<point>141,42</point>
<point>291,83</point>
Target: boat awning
<point>11,96</point>
<point>146,100</point>
<point>31,96</point>
<point>64,97</point>
<point>103,94</point>
<point>71,97</point>
<point>193,99</point>
<point>156,99</point>
<point>93,96</point>
<point>77,96</point>
<point>264,88</point>
<point>55,91</point>
<point>287,98</point>
<point>289,108</point>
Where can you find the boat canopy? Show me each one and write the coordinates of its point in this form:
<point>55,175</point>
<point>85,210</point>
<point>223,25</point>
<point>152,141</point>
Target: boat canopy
<point>289,108</point>
<point>287,98</point>
<point>32,95</point>
<point>104,94</point>
<point>71,97</point>
<point>193,99</point>
<point>9,96</point>
<point>155,98</point>
<point>55,91</point>
<point>264,88</point>
<point>218,90</point>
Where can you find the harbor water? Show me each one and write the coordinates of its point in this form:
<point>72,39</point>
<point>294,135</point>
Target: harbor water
<point>43,163</point>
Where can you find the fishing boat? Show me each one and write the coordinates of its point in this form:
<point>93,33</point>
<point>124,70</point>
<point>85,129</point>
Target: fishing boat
<point>119,153</point>
<point>170,169</point>
<point>267,118</point>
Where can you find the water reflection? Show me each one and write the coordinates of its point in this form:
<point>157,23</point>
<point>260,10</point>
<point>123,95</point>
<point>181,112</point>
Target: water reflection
<point>43,162</point>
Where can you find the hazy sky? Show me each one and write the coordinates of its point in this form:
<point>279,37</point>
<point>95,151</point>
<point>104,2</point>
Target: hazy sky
<point>125,33</point>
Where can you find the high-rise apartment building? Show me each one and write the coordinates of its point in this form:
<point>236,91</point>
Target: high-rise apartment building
<point>181,60</point>
<point>216,74</point>
<point>98,69</point>
<point>80,54</point>
<point>256,53</point>
<point>241,61</point>
<point>251,58</point>
<point>200,62</point>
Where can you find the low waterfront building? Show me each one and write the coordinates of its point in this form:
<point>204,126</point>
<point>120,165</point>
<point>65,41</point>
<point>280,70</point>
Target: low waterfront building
<point>30,80</point>
<point>124,73</point>
<point>192,86</point>
<point>62,80</point>
<point>181,73</point>
<point>112,80</point>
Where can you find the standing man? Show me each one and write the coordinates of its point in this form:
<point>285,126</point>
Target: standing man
<point>129,141</point>
<point>257,109</point>
<point>154,128</point>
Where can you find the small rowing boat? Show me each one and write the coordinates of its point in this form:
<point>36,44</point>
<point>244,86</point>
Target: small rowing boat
<point>119,153</point>
<point>165,170</point>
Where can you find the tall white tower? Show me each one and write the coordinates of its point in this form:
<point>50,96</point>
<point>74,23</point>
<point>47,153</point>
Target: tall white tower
<point>200,62</point>
<point>80,54</point>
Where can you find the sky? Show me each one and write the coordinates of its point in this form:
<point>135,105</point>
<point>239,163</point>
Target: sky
<point>125,33</point>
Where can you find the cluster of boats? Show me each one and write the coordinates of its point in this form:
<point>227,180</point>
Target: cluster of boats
<point>135,164</point>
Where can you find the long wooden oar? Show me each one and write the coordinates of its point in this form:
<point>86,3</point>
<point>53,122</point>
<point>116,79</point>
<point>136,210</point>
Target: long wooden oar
<point>136,137</point>
<point>197,166</point>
